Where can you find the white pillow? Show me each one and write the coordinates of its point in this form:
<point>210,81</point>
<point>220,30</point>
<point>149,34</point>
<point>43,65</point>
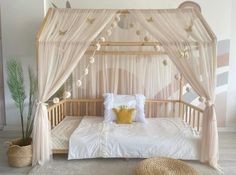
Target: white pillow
<point>131,101</point>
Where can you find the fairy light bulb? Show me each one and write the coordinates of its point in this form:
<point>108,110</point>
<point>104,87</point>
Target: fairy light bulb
<point>98,46</point>
<point>78,83</point>
<point>56,100</point>
<point>66,94</point>
<point>86,71</point>
<point>91,60</point>
<point>102,39</point>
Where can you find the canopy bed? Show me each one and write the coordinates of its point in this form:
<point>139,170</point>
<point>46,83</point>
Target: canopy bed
<point>68,42</point>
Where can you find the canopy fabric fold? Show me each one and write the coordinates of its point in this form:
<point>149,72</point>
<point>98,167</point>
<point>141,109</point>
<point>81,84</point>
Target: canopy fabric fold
<point>198,67</point>
<point>58,55</point>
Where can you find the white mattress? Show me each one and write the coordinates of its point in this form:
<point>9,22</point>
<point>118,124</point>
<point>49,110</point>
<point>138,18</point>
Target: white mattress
<point>170,137</point>
<point>62,132</point>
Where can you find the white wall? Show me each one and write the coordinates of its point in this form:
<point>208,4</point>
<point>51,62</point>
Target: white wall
<point>20,22</point>
<point>231,110</point>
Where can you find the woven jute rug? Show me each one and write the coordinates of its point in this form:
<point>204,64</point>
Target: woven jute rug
<point>164,166</point>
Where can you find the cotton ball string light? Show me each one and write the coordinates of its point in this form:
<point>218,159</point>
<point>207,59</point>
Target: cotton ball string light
<point>86,71</point>
<point>157,47</point>
<point>91,60</point>
<point>108,32</point>
<point>56,100</point>
<point>98,46</point>
<point>78,83</point>
<point>164,62</point>
<point>66,94</point>
<point>102,39</point>
<point>201,78</point>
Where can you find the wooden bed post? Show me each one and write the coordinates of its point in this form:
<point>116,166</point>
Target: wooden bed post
<point>180,95</point>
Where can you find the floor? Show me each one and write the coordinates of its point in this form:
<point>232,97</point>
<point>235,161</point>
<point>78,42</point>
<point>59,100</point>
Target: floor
<point>227,154</point>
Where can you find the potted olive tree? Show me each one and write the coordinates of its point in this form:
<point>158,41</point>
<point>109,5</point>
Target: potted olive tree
<point>20,150</point>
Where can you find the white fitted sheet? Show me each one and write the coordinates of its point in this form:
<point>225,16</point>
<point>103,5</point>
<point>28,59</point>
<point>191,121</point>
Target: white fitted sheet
<point>62,132</point>
<point>170,137</point>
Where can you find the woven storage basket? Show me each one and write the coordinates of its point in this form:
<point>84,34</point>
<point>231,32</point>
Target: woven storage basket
<point>19,156</point>
<point>164,166</point>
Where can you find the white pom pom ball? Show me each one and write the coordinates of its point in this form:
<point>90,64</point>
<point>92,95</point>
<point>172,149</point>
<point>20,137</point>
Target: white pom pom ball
<point>98,46</point>
<point>66,94</point>
<point>86,71</point>
<point>78,83</point>
<point>56,100</point>
<point>91,60</point>
<point>102,39</point>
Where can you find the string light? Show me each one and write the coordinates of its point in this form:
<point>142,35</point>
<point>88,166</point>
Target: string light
<point>56,100</point>
<point>67,94</point>
<point>78,83</point>
<point>91,60</point>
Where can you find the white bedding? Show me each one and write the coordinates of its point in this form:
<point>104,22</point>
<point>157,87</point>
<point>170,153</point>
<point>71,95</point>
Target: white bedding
<point>62,132</point>
<point>170,137</point>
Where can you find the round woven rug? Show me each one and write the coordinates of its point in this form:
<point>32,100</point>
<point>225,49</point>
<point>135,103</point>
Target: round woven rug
<point>164,166</point>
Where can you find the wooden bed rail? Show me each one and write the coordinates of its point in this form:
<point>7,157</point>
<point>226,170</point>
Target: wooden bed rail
<point>153,108</point>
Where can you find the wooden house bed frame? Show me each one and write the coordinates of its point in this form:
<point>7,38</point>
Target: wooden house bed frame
<point>153,108</point>
<point>189,113</point>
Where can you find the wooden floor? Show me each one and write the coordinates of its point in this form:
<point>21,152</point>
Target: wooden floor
<point>227,154</point>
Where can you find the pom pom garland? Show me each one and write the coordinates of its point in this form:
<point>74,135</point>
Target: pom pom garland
<point>91,60</point>
<point>56,100</point>
<point>66,94</point>
<point>86,71</point>
<point>78,83</point>
<point>98,46</point>
<point>102,39</point>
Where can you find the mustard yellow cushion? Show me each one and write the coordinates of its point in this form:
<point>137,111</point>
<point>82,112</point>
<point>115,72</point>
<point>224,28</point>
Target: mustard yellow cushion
<point>124,115</point>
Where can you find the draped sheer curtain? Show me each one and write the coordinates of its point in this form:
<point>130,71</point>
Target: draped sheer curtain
<point>127,74</point>
<point>180,34</point>
<point>65,37</point>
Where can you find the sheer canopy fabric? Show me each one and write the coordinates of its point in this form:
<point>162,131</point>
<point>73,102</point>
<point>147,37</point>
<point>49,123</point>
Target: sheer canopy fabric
<point>66,36</point>
<point>127,74</point>
<point>178,33</point>
<point>182,33</point>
